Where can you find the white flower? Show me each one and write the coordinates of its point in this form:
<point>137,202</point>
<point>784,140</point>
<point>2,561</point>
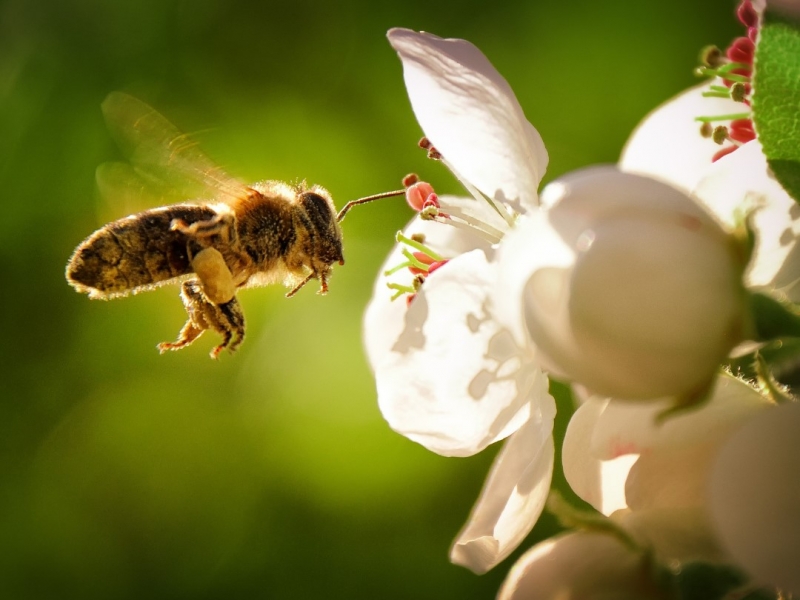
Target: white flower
<point>653,477</point>
<point>667,146</point>
<point>754,497</point>
<point>626,285</point>
<point>450,375</point>
<point>458,368</point>
<point>581,566</point>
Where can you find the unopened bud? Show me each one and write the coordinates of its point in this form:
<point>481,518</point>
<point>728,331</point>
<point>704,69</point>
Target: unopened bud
<point>644,298</point>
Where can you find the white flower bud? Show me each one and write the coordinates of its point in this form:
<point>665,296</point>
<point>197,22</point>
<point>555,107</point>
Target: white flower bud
<point>581,566</point>
<point>635,290</point>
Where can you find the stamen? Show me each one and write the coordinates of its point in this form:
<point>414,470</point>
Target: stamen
<point>414,261</point>
<point>738,92</point>
<point>723,117</point>
<point>711,56</point>
<point>720,134</point>
<point>401,289</point>
<point>726,71</point>
<point>394,270</point>
<point>706,130</point>
<point>478,196</point>
<point>418,245</point>
<point>492,239</point>
<point>458,213</point>
<point>410,180</point>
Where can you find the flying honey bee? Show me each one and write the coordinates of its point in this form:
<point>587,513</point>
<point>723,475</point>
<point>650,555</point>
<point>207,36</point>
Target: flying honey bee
<point>236,236</point>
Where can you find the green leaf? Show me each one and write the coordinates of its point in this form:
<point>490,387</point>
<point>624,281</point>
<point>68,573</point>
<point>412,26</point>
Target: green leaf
<point>776,98</point>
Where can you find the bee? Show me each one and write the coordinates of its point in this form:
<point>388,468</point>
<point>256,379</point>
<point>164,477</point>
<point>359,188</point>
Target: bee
<point>237,236</point>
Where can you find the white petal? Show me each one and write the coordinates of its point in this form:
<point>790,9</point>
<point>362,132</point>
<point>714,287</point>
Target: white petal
<point>579,566</point>
<point>667,144</point>
<point>741,180</point>
<point>512,498</point>
<point>683,534</point>
<point>384,319</point>
<point>531,246</point>
<point>454,381</point>
<point>755,497</point>
<point>599,482</point>
<point>472,116</point>
<point>632,427</point>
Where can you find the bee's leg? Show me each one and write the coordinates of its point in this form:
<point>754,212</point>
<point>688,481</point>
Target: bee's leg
<point>193,299</point>
<point>323,283</point>
<point>227,319</point>
<point>230,323</point>
<point>222,225</point>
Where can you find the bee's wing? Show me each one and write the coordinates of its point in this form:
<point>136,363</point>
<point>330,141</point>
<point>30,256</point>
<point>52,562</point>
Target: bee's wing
<point>161,156</point>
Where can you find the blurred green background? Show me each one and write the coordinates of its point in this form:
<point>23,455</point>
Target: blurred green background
<point>270,473</point>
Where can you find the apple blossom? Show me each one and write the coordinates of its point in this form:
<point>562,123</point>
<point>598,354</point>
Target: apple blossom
<point>666,146</point>
<point>652,478</point>
<point>458,366</point>
<point>449,375</point>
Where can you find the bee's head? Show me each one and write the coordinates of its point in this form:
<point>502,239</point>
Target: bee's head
<point>322,224</point>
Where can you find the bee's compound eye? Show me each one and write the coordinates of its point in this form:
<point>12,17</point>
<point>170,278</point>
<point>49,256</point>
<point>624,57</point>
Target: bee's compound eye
<point>318,209</point>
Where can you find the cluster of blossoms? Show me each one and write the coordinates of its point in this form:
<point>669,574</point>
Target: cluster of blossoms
<point>634,283</point>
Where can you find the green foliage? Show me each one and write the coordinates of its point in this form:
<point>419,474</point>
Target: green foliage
<point>776,99</point>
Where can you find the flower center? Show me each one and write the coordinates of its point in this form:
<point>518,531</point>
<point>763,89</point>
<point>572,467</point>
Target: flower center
<point>735,69</point>
<point>420,259</point>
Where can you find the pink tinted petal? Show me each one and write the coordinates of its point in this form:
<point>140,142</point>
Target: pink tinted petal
<point>667,144</point>
<point>601,483</point>
<point>755,497</point>
<point>632,426</point>
<point>453,380</point>
<point>742,180</point>
<point>512,497</point>
<point>471,115</point>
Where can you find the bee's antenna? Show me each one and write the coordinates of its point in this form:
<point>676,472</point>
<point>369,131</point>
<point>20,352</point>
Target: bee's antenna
<point>353,203</point>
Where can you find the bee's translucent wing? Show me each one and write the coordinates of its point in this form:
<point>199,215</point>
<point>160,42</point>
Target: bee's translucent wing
<point>126,190</point>
<point>162,157</point>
